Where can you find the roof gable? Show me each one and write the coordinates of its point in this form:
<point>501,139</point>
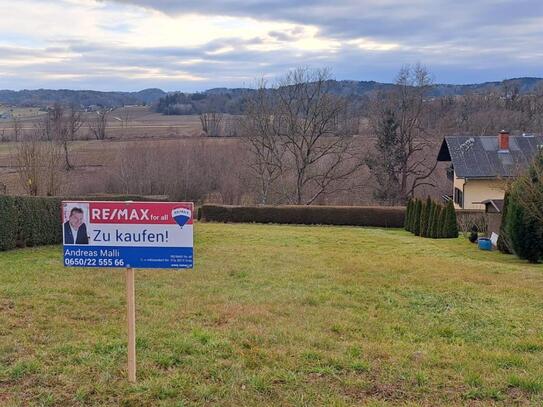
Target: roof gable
<point>479,157</point>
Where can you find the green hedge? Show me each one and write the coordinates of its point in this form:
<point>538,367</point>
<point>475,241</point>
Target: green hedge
<point>388,217</point>
<point>35,221</point>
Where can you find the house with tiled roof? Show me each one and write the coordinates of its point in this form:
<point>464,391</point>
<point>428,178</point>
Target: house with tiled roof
<point>481,166</point>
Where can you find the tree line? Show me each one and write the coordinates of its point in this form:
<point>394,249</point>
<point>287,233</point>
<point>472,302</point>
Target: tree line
<point>300,140</point>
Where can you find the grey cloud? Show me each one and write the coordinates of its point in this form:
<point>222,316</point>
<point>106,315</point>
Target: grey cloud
<point>466,33</point>
<point>460,41</point>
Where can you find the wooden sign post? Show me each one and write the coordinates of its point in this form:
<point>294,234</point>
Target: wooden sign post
<point>151,235</point>
<point>131,322</point>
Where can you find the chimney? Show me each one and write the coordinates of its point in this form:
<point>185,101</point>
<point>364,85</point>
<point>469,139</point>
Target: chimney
<point>503,141</point>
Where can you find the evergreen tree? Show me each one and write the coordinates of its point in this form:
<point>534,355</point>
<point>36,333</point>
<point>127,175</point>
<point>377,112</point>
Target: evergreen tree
<point>412,215</point>
<point>504,244</point>
<point>424,215</point>
<point>431,217</point>
<point>441,221</point>
<point>408,215</point>
<point>434,230</point>
<point>524,232</point>
<point>450,226</point>
<point>416,217</point>
<point>524,222</point>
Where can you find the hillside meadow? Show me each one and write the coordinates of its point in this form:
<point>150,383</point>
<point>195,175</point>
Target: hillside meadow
<point>278,315</point>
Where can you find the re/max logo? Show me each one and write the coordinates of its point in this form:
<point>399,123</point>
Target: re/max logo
<point>119,214</point>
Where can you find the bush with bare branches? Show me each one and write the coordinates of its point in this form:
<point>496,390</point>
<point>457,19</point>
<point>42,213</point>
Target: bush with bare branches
<point>39,166</point>
<point>211,123</point>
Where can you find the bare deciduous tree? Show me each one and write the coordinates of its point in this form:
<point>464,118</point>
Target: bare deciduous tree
<point>37,163</point>
<point>303,135</point>
<point>98,124</point>
<point>52,157</point>
<point>123,115</point>
<point>28,157</point>
<point>75,121</point>
<point>17,128</point>
<point>60,125</point>
<point>211,123</point>
<point>266,148</point>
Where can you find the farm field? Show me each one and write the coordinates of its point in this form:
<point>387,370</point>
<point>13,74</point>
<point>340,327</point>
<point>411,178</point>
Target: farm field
<point>279,315</point>
<point>94,159</point>
<point>124,123</point>
<point>96,163</point>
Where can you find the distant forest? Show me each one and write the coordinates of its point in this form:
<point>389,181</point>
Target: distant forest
<point>231,101</point>
<point>80,98</point>
<point>234,101</point>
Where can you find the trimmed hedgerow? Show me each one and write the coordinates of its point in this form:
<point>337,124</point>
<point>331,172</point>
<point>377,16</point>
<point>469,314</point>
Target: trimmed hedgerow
<point>35,221</point>
<point>8,223</point>
<point>376,216</point>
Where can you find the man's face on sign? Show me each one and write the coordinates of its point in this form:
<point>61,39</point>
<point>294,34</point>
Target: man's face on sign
<point>76,219</point>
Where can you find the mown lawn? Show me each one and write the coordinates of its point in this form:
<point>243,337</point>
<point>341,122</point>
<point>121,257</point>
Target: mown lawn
<point>279,315</point>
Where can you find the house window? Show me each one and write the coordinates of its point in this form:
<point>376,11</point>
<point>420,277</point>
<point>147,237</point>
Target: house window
<point>450,173</point>
<point>458,197</point>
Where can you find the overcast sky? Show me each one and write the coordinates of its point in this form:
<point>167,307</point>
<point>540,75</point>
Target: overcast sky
<point>195,45</point>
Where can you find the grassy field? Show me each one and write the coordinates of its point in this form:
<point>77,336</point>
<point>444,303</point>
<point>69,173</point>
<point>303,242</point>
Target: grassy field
<point>279,315</point>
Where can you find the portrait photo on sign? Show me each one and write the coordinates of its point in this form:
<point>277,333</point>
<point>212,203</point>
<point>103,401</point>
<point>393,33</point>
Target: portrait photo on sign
<point>75,218</point>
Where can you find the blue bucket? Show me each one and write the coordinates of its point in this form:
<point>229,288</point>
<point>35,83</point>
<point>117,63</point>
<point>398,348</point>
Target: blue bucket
<point>484,243</point>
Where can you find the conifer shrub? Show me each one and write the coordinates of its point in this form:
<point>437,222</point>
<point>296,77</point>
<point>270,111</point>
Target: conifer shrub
<point>408,215</point>
<point>504,243</point>
<point>416,217</point>
<point>431,220</point>
<point>525,233</point>
<point>450,225</point>
<point>441,221</point>
<point>524,221</point>
<point>424,217</point>
<point>434,230</point>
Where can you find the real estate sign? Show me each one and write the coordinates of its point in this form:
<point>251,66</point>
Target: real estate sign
<point>128,234</point>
